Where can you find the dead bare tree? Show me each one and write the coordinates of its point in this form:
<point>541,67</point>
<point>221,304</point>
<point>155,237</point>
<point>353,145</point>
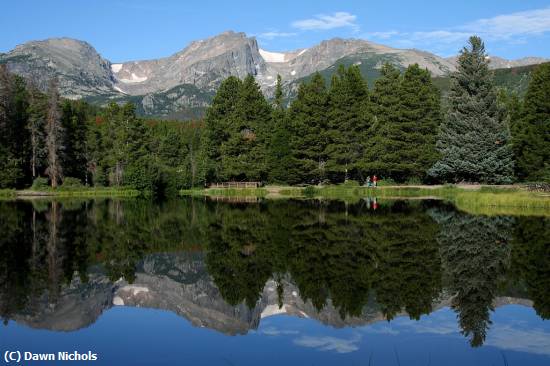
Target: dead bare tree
<point>35,125</point>
<point>54,136</point>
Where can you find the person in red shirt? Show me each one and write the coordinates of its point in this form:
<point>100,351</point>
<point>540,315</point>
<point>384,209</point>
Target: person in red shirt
<point>375,180</point>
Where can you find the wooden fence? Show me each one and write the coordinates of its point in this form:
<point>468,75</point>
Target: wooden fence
<point>235,185</point>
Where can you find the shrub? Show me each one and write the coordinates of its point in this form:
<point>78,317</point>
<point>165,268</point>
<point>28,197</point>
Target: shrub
<point>310,191</point>
<point>386,182</point>
<point>70,182</point>
<point>40,183</point>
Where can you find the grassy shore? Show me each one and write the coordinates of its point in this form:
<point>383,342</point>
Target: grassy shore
<point>7,193</point>
<point>487,200</point>
<point>74,192</point>
<point>226,192</point>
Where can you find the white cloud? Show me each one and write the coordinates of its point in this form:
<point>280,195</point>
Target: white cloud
<point>339,19</point>
<point>274,34</point>
<point>339,345</point>
<point>524,23</point>
<point>512,28</point>
<point>511,337</point>
<point>381,35</point>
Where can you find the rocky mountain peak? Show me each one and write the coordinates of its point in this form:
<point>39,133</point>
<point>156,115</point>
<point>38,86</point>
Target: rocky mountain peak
<point>79,67</point>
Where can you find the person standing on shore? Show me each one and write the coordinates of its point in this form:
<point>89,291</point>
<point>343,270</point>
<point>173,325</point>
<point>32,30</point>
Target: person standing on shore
<point>375,180</point>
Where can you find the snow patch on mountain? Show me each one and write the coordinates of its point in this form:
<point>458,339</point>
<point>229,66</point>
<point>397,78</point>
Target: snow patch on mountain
<point>116,67</point>
<point>134,79</point>
<point>272,56</point>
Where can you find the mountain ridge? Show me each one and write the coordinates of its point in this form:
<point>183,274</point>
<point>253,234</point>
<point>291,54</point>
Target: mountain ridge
<point>187,78</point>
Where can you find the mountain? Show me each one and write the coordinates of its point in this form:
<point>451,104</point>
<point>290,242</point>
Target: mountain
<point>502,63</point>
<point>514,79</point>
<point>79,67</point>
<point>182,85</point>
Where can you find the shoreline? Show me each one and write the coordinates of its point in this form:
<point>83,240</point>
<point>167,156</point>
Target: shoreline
<point>478,199</point>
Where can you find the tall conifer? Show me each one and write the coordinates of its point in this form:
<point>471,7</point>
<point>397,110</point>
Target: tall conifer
<point>348,121</point>
<point>474,139</point>
<point>531,131</point>
<point>308,114</point>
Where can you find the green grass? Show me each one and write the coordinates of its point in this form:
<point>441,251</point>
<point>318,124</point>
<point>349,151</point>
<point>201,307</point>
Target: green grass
<point>229,192</point>
<point>7,193</point>
<point>503,203</point>
<point>81,192</point>
<point>487,200</point>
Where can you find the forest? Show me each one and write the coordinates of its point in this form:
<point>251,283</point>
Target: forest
<point>400,129</point>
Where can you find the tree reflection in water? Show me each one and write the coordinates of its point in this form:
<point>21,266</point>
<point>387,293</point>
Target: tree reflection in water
<point>401,258</point>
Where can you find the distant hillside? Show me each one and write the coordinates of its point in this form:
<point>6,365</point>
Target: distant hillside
<point>514,79</point>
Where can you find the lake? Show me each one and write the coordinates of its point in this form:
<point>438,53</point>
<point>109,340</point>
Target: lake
<point>200,281</point>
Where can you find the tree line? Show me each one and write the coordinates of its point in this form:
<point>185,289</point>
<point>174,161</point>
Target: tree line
<point>401,129</point>
<point>49,141</point>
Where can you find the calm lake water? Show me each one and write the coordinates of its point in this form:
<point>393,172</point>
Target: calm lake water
<point>289,282</point>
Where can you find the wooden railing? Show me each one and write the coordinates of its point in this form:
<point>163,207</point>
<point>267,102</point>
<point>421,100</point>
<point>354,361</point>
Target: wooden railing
<point>235,185</point>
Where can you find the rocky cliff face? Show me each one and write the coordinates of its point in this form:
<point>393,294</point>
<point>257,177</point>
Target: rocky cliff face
<point>203,63</point>
<point>81,71</point>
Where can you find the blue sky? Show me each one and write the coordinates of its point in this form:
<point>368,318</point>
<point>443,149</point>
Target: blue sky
<point>123,30</point>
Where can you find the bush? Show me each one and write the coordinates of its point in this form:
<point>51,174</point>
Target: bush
<point>40,183</point>
<point>310,191</point>
<point>70,182</point>
<point>386,182</point>
<point>414,181</point>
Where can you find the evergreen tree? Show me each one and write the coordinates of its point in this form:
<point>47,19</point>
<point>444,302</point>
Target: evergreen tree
<point>10,163</point>
<point>308,115</point>
<point>383,146</point>
<point>420,120</point>
<point>74,116</point>
<point>531,132</point>
<point>473,139</point>
<point>407,114</point>
<point>280,153</point>
<point>54,136</point>
<point>348,121</point>
<point>245,151</point>
<point>216,131</point>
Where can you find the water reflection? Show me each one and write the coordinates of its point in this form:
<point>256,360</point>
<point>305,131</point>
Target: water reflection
<point>228,265</point>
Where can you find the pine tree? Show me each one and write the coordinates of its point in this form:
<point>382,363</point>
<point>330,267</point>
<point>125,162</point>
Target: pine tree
<point>473,139</point>
<point>420,120</point>
<point>348,120</point>
<point>10,171</point>
<point>245,151</point>
<point>308,115</point>
<point>280,154</point>
<point>73,119</point>
<point>383,143</point>
<point>216,131</point>
<point>531,131</point>
<point>54,136</point>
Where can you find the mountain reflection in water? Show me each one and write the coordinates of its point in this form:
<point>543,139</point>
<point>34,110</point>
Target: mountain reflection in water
<point>228,266</point>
